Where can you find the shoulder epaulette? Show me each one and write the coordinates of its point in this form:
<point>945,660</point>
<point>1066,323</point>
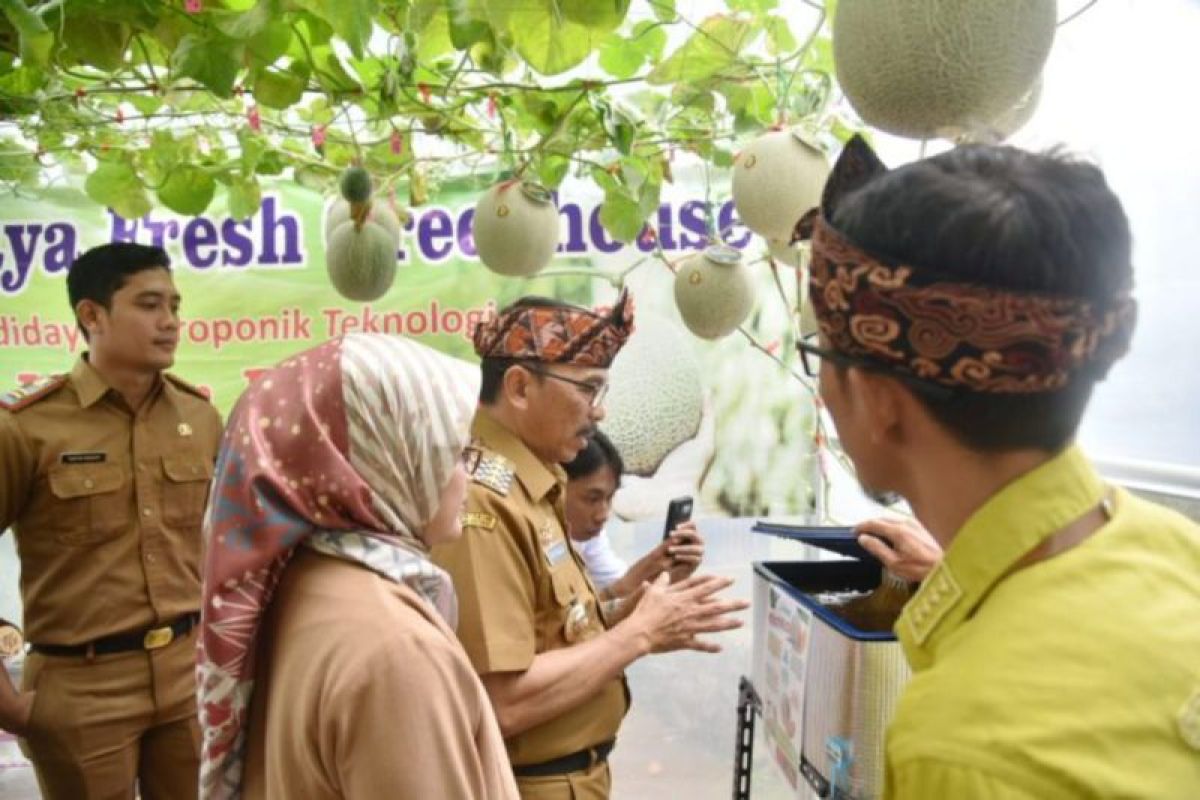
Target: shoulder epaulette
<point>187,387</point>
<point>30,393</point>
<point>493,471</point>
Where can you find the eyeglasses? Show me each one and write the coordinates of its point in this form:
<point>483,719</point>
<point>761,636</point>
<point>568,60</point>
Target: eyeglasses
<point>596,392</point>
<point>811,355</point>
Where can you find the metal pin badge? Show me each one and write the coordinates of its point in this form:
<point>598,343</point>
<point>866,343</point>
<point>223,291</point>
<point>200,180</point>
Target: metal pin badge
<point>184,429</point>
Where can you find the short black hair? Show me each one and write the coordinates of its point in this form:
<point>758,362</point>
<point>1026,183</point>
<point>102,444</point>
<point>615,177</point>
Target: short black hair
<point>492,369</point>
<point>1001,217</point>
<point>600,452</point>
<point>100,272</point>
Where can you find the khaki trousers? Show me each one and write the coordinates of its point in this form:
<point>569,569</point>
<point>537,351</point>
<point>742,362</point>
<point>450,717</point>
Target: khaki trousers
<point>103,726</point>
<point>589,784</point>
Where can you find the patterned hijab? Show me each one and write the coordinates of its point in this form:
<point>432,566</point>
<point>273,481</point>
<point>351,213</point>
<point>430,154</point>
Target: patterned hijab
<point>344,449</point>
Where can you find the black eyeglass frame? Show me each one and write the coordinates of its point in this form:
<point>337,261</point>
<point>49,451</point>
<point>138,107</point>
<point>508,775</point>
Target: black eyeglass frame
<point>932,391</point>
<point>596,394</point>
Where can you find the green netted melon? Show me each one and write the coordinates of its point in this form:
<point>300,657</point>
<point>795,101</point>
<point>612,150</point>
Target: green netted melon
<point>929,68</point>
<point>776,179</point>
<point>516,228</point>
<point>361,240</point>
<point>714,292</point>
<point>655,397</point>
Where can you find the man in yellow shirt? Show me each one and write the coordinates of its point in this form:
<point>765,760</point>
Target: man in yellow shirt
<point>967,304</point>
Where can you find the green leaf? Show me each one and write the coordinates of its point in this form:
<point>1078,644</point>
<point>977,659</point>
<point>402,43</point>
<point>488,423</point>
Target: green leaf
<point>245,197</point>
<point>279,88</point>
<point>350,19</point>
<point>468,23</point>
<point>114,184</point>
<point>759,6</point>
<point>780,40</point>
<point>253,146</point>
<point>711,49</point>
<point>553,170</point>
<point>618,59</point>
<point>252,22</point>
<point>36,39</point>
<point>649,39</point>
<point>187,190</point>
<point>548,42</point>
<point>270,44</point>
<point>664,10</point>
<point>96,43</point>
<point>212,60</point>
<point>621,216</point>
<point>601,15</point>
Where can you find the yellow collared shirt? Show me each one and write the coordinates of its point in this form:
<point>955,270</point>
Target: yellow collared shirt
<point>1077,676</point>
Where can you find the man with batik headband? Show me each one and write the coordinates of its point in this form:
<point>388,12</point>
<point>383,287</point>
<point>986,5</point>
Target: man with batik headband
<point>967,304</point>
<point>529,619</point>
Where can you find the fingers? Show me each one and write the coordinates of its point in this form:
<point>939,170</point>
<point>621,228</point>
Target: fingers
<point>877,548</point>
<point>698,587</point>
<point>890,530</point>
<point>691,554</point>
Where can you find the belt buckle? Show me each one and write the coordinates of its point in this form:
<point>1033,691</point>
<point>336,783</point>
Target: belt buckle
<point>158,638</point>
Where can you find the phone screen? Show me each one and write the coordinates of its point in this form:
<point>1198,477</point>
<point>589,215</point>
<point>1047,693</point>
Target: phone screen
<point>678,511</point>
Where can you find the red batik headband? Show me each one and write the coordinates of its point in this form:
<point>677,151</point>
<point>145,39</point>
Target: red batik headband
<point>557,334</point>
<point>941,330</point>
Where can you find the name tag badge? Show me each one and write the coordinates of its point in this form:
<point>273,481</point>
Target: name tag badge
<point>555,552</point>
<point>83,458</point>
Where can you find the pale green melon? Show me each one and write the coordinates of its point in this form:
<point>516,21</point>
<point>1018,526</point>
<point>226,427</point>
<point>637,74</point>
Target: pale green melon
<point>929,68</point>
<point>655,396</point>
<point>361,261</point>
<point>776,179</point>
<point>516,228</point>
<point>714,292</point>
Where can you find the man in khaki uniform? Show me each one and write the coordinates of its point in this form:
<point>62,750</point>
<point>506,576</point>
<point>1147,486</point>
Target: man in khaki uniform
<point>529,618</point>
<point>104,477</point>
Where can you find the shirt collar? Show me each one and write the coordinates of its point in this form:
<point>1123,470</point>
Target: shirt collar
<point>1006,527</point>
<point>537,476</point>
<point>88,383</point>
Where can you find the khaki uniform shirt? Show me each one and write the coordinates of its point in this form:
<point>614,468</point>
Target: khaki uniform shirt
<point>362,691</point>
<point>105,503</point>
<point>1074,677</point>
<point>522,589</point>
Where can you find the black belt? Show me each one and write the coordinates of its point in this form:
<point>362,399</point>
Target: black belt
<point>150,639</point>
<point>576,762</point>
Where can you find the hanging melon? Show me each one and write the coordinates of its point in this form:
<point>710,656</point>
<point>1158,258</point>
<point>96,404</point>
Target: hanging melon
<point>714,292</point>
<point>776,179</point>
<point>655,399</point>
<point>361,240</point>
<point>785,252</point>
<point>929,68</point>
<point>516,228</point>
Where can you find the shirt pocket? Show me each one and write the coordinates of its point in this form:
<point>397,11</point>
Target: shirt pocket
<point>90,504</point>
<point>185,488</point>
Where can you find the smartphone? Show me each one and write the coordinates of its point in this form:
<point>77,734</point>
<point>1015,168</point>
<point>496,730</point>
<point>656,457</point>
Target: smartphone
<point>678,511</point>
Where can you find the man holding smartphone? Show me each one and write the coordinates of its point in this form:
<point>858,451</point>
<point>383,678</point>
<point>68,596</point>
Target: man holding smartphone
<point>593,477</point>
<point>529,619</point>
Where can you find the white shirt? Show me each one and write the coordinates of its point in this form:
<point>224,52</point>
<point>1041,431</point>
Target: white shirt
<point>602,563</point>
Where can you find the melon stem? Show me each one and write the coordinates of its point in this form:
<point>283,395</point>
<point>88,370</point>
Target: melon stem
<point>359,213</point>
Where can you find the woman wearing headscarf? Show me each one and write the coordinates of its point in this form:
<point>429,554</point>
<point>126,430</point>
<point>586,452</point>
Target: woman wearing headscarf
<point>328,665</point>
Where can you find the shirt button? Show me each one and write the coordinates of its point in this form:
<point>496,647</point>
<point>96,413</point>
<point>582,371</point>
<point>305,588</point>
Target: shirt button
<point>141,466</point>
<point>89,483</point>
<point>146,512</point>
<point>149,558</point>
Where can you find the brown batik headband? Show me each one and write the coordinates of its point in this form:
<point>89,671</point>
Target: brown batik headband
<point>557,334</point>
<point>941,330</point>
